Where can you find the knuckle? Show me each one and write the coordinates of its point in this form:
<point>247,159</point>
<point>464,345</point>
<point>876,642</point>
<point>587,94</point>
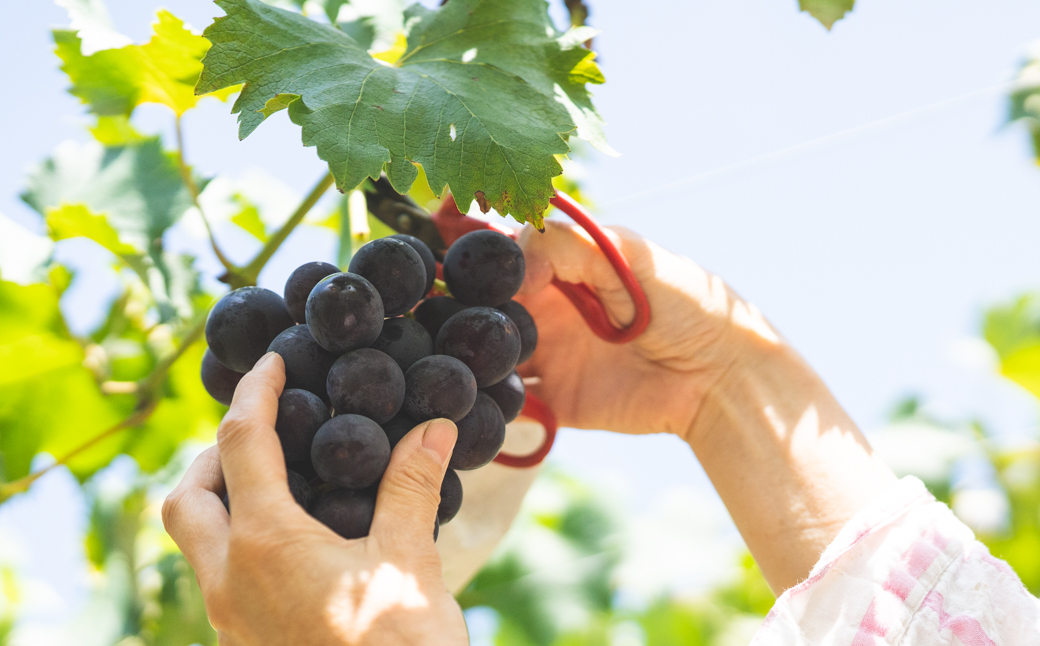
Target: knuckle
<point>417,480</point>
<point>172,508</point>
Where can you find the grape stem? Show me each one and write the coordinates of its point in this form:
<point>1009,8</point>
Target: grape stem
<point>148,396</point>
<point>193,190</point>
<point>250,272</point>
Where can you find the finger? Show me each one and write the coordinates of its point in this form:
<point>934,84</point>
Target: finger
<point>406,506</point>
<point>568,253</point>
<point>194,515</point>
<point>251,455</point>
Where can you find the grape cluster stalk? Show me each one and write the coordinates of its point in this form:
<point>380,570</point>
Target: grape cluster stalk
<point>369,354</point>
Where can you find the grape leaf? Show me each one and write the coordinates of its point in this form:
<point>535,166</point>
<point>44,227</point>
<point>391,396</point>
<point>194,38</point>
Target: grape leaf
<point>124,198</point>
<point>1014,332</point>
<point>484,96</point>
<point>1025,98</point>
<point>115,81</point>
<point>827,12</point>
<point>44,388</point>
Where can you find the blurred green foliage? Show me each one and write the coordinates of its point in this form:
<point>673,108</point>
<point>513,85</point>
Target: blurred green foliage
<point>130,388</point>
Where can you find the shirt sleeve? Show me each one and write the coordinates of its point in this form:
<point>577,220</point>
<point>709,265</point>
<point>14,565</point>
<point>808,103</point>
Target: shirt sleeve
<point>905,571</point>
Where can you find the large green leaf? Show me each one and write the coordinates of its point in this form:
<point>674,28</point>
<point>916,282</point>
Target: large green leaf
<point>484,96</point>
<point>115,81</point>
<point>47,395</point>
<point>123,197</point>
<point>827,12</point>
<point>1014,332</point>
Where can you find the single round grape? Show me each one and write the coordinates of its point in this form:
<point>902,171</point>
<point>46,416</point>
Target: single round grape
<point>398,427</point>
<point>348,513</point>
<point>519,315</point>
<point>219,380</point>
<point>484,339</point>
<point>299,286</point>
<point>405,340</point>
<point>301,490</point>
<point>243,323</point>
<point>307,364</point>
<point>350,451</point>
<point>428,259</point>
<point>509,394</point>
<point>481,435</point>
<point>439,386</point>
<point>433,312</point>
<point>344,313</point>
<point>484,268</point>
<point>396,271</point>
<point>366,382</point>
<point>451,497</point>
<point>300,414</point>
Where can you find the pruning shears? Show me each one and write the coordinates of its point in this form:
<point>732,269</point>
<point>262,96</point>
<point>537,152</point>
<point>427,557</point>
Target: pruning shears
<point>442,228</point>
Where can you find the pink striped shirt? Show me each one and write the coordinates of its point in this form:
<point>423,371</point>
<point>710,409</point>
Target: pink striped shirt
<point>905,571</point>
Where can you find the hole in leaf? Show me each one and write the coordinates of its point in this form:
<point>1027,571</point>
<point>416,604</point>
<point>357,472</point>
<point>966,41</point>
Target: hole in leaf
<point>451,131</point>
<point>469,55</point>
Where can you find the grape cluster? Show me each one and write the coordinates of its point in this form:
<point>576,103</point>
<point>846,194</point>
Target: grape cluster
<point>367,359</point>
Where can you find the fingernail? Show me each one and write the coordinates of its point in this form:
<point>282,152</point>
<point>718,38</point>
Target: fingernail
<point>264,359</point>
<point>439,439</point>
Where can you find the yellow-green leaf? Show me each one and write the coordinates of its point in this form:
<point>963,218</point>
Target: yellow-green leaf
<point>249,219</point>
<point>827,12</point>
<point>115,81</point>
<point>76,221</point>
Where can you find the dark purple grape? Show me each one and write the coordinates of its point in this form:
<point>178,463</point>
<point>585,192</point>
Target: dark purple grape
<point>436,529</point>
<point>299,286</point>
<point>350,451</point>
<point>301,491</point>
<point>433,312</point>
<point>300,414</point>
<point>481,435</point>
<point>451,497</point>
<point>484,268</point>
<point>405,340</point>
<point>219,380</point>
<point>428,259</point>
<point>398,427</point>
<point>307,364</point>
<point>344,312</point>
<point>509,394</point>
<point>519,315</point>
<point>348,513</point>
<point>484,339</point>
<point>243,323</point>
<point>396,271</point>
<point>439,386</point>
<point>366,382</point>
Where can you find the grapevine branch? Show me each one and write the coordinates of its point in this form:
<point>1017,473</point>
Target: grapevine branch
<point>252,270</point>
<point>193,190</point>
<point>147,392</point>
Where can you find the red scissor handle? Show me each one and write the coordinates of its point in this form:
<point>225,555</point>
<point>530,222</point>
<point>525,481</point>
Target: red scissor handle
<point>453,224</point>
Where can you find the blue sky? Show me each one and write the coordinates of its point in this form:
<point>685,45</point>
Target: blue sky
<point>874,251</point>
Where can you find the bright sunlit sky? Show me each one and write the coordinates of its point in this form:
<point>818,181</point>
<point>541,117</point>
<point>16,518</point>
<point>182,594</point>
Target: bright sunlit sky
<point>874,251</point>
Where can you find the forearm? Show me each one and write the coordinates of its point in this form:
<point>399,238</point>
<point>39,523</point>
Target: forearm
<point>789,464</point>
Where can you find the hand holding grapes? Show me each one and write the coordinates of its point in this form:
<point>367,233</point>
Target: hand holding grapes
<point>272,574</point>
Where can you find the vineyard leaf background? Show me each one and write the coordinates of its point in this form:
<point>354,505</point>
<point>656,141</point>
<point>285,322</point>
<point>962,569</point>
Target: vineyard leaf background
<point>827,12</point>
<point>497,76</point>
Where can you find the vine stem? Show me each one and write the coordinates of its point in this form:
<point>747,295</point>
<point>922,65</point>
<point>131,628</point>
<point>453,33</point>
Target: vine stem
<point>252,270</point>
<point>193,190</point>
<point>147,401</point>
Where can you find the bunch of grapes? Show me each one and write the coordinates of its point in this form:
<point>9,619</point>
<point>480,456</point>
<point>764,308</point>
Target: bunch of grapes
<point>367,359</point>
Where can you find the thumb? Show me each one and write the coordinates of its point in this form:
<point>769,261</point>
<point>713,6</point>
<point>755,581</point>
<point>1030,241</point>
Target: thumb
<point>406,506</point>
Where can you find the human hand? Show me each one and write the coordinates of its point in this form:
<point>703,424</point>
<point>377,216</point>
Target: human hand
<point>656,383</point>
<point>271,574</point>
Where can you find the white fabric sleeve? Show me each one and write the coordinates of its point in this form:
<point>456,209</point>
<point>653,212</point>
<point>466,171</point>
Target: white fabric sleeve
<point>905,571</point>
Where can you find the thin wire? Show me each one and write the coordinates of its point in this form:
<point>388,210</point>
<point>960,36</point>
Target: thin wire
<point>813,143</point>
